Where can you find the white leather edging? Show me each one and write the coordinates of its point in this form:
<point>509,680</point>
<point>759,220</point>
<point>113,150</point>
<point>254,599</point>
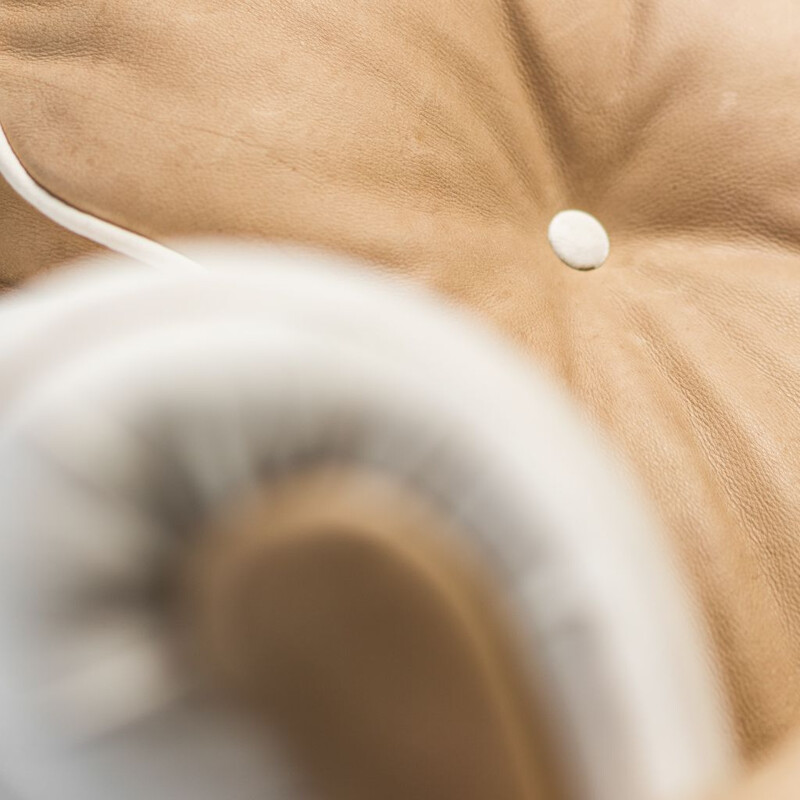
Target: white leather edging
<point>90,227</point>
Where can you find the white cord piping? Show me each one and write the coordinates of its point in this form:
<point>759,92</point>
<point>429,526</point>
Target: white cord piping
<point>97,230</point>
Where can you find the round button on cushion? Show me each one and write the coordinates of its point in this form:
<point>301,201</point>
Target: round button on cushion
<point>578,239</point>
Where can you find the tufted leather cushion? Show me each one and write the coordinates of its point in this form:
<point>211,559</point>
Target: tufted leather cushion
<point>438,140</point>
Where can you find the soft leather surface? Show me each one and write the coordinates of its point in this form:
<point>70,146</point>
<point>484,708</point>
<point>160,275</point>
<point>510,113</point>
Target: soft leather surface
<point>31,243</point>
<point>777,780</point>
<point>439,139</point>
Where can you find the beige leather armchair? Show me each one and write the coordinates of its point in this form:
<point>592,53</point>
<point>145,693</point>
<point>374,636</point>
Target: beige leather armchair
<point>439,143</point>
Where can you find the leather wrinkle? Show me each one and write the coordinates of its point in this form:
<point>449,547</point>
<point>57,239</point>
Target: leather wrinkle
<point>438,140</point>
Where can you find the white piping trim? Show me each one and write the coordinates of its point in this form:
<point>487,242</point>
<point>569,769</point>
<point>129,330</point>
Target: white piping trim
<point>90,227</point>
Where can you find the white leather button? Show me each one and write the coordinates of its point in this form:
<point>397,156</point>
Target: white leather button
<point>578,239</point>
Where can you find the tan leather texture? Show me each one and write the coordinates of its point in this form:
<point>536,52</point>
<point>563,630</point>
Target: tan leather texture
<point>777,779</point>
<point>30,242</point>
<point>438,140</point>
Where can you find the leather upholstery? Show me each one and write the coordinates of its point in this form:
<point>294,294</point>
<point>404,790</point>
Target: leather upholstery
<point>777,780</point>
<point>438,140</point>
<point>31,243</point>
